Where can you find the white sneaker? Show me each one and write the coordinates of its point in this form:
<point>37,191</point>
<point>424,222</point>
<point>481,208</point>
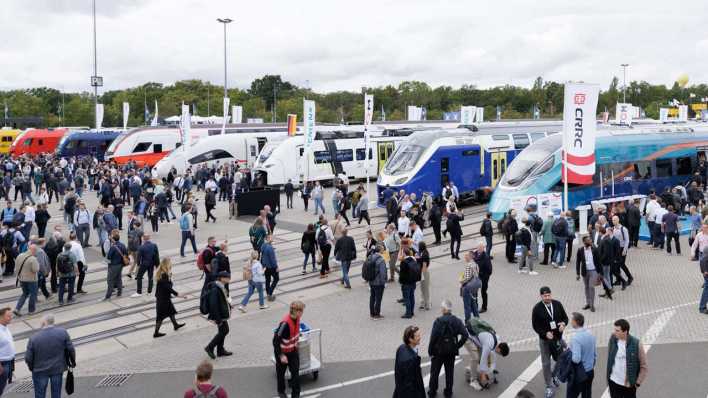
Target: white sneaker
<point>562,266</point>
<point>533,273</point>
<point>520,271</point>
<point>264,307</point>
<point>136,295</point>
<point>242,309</point>
<point>475,385</point>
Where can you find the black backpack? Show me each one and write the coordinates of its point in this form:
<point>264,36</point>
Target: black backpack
<point>64,264</point>
<point>486,228</point>
<point>369,271</point>
<point>70,204</point>
<point>559,227</point>
<point>209,394</point>
<point>447,344</point>
<point>322,238</point>
<point>536,223</point>
<point>8,240</point>
<point>204,300</point>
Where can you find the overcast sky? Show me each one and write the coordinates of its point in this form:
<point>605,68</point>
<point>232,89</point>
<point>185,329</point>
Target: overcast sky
<point>343,45</point>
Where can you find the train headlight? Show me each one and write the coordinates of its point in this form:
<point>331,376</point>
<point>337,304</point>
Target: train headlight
<point>400,181</point>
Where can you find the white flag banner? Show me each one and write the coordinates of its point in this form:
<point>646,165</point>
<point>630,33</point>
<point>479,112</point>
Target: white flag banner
<point>467,115</point>
<point>414,113</point>
<point>368,108</point>
<point>126,114</point>
<point>579,131</point>
<point>236,114</point>
<point>186,125</point>
<point>308,121</point>
<point>664,115</point>
<point>154,119</point>
<point>683,113</point>
<point>624,114</point>
<point>479,118</point>
<point>227,101</point>
<point>99,115</point>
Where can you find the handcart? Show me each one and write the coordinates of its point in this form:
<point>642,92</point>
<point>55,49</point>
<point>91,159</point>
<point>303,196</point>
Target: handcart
<point>310,351</point>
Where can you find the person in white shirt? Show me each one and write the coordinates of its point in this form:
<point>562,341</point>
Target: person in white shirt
<point>416,235</point>
<point>406,204</point>
<point>210,185</point>
<point>403,224</point>
<point>78,251</point>
<point>41,197</point>
<point>7,348</point>
<point>658,227</point>
<point>650,212</point>
<point>29,219</point>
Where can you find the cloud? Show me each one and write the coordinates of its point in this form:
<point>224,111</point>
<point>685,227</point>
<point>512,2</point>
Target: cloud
<point>346,45</point>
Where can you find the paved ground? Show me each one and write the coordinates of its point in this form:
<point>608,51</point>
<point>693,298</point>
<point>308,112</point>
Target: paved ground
<point>116,337</point>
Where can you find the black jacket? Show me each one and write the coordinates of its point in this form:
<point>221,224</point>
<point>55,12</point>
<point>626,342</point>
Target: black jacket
<point>541,320</point>
<point>345,249</point>
<point>524,238</point>
<point>609,250</point>
<point>455,325</point>
<point>219,309</point>
<point>163,296</point>
<point>580,264</point>
<point>510,227</point>
<point>307,243</point>
<point>148,255</point>
<point>407,374</point>
<point>453,224</point>
<point>484,263</point>
<point>634,216</point>
<point>405,274</point>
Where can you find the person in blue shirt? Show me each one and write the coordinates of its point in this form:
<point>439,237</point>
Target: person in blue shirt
<point>583,347</point>
<point>270,263</point>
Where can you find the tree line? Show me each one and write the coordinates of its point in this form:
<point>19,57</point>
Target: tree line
<point>76,109</point>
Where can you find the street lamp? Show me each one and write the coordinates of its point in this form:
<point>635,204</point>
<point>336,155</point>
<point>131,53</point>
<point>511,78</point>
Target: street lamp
<point>624,82</point>
<point>224,21</point>
<point>96,80</point>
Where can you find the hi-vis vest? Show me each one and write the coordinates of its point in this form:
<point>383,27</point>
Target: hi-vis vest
<point>290,344</point>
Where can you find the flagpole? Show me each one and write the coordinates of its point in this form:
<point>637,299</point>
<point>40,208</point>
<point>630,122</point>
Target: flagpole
<point>565,176</point>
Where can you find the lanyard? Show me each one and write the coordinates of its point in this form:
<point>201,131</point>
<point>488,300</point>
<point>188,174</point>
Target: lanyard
<point>550,312</point>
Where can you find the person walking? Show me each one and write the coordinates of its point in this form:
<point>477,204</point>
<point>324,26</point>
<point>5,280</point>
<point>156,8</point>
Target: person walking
<point>254,273</point>
<point>378,283</point>
<point>186,227</point>
<point>609,250</point>
<point>583,347</point>
<point>324,238</point>
<point>117,259</point>
<point>135,240</point>
<point>446,338</point>
<point>626,362</point>
<point>308,247</point>
<point>317,195</point>
<point>148,259</point>
<point>257,234</point>
<point>549,320</point>
<point>27,279</point>
<point>455,231</point>
<point>270,262</point>
<point>392,242</point>
<point>669,225</point>
<point>7,348</point>
<point>549,242</point>
<point>510,227</point>
<point>435,219</point>
<point>634,217</point>
<point>487,232</point>
<point>48,354</point>
<point>559,228</point>
<point>163,297</point>
<point>42,215</point>
<point>659,228</point>
<point>423,259</point>
<point>587,266</point>
<point>408,376</point>
<point>345,253</point>
<point>289,190</point>
<point>67,268</point>
<point>219,314</point>
<point>469,287</point>
<point>210,204</point>
<point>78,251</point>
<point>285,349</point>
<point>524,238</point>
<point>82,222</point>
<point>571,235</point>
<point>408,276</point>
<point>203,386</point>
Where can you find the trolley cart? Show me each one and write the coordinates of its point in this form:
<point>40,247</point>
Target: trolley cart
<point>310,358</point>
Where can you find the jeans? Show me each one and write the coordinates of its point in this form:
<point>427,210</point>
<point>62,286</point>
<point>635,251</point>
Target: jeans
<point>5,375</point>
<point>704,296</point>
<point>545,348</point>
<point>218,340</point>
<point>658,236</point>
<point>548,247</point>
<point>187,235</point>
<point>304,263</point>
<point>488,249</point>
<point>408,291</point>
<point>650,226</point>
<point>319,205</point>
<point>583,389</point>
<point>436,363</point>
<point>272,277</point>
<point>42,285</point>
<point>345,272</point>
<point>28,289</point>
<point>252,286</point>
<point>139,278</point>
<point>66,283</point>
<point>375,297</point>
<point>675,237</point>
<point>469,302</point>
<point>40,385</point>
<point>560,251</point>
<point>83,232</point>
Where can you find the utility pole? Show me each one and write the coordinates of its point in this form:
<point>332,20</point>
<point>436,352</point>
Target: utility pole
<point>624,82</point>
<point>225,21</point>
<point>96,80</point>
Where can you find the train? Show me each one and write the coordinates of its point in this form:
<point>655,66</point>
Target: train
<point>7,136</point>
<point>36,141</point>
<point>473,157</point>
<point>629,161</point>
<point>86,143</point>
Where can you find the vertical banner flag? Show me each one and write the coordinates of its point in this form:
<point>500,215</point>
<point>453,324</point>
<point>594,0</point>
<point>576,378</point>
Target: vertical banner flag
<point>479,118</point>
<point>368,109</point>
<point>186,125</point>
<point>154,118</point>
<point>227,100</point>
<point>292,124</point>
<point>308,127</point>
<point>99,115</point>
<point>683,113</point>
<point>146,113</point>
<point>467,114</point>
<point>579,130</point>
<point>383,114</point>
<point>624,113</point>
<point>237,114</point>
<point>664,115</point>
<point>499,112</point>
<point>126,113</point>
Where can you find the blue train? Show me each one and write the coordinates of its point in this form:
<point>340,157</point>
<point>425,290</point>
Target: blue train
<point>474,158</point>
<point>86,143</point>
<point>629,161</point>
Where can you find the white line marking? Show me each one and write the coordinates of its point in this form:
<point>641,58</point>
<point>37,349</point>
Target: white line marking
<point>651,335</point>
<point>524,378</point>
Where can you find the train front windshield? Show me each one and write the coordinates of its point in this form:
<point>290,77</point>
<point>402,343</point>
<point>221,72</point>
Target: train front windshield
<point>404,159</point>
<point>531,157</point>
<point>265,153</point>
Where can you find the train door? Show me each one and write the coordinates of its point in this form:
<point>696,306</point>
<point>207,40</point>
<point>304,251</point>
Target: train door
<point>385,149</point>
<point>498,166</point>
<point>252,150</point>
<point>444,171</point>
<point>331,148</point>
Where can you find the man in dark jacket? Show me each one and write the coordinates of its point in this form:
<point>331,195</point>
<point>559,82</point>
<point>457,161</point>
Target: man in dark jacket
<point>270,263</point>
<point>46,357</point>
<point>455,230</point>
<point>487,231</point>
<point>634,217</point>
<point>447,337</point>
<point>408,275</point>
<point>378,284</point>
<point>484,263</point>
<point>115,257</point>
<point>219,313</point>
<point>407,375</point>
<point>345,252</point>
<point>549,321</point>
<point>587,265</point>
<point>289,189</point>
<point>435,218</point>
<point>509,227</point>
<point>610,251</point>
<point>148,258</point>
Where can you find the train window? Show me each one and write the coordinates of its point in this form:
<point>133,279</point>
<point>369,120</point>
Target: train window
<point>83,144</point>
<point>157,148</point>
<point>27,142</point>
<point>521,141</point>
<point>361,154</point>
<point>683,166</point>
<point>495,175</point>
<point>471,152</point>
<point>537,136</point>
<point>344,155</point>
<point>642,170</point>
<point>444,165</point>
<point>404,159</point>
<point>663,167</point>
<point>322,157</point>
<point>210,155</point>
<point>40,141</point>
<point>499,137</point>
<point>142,147</point>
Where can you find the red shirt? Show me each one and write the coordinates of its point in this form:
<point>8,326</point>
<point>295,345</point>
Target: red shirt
<point>205,388</point>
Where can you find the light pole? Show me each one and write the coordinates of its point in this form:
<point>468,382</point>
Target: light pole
<point>224,21</point>
<point>96,80</point>
<point>624,82</point>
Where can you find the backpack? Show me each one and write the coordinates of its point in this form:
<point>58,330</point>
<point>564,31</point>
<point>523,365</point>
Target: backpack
<point>247,272</point>
<point>322,238</point>
<point>475,326</point>
<point>201,261</point>
<point>369,271</point>
<point>558,228</point>
<point>70,204</point>
<point>486,228</point>
<point>537,223</point>
<point>64,264</point>
<point>447,344</point>
<point>204,300</point>
<point>8,240</point>
<point>184,222</point>
<point>210,394</point>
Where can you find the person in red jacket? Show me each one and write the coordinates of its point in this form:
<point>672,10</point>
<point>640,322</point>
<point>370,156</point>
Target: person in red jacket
<point>285,343</point>
<point>203,386</point>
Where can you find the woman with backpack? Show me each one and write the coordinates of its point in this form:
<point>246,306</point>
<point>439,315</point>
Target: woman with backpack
<point>254,273</point>
<point>163,297</point>
<point>308,246</point>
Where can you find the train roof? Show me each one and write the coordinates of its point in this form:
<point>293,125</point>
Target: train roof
<point>93,134</point>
